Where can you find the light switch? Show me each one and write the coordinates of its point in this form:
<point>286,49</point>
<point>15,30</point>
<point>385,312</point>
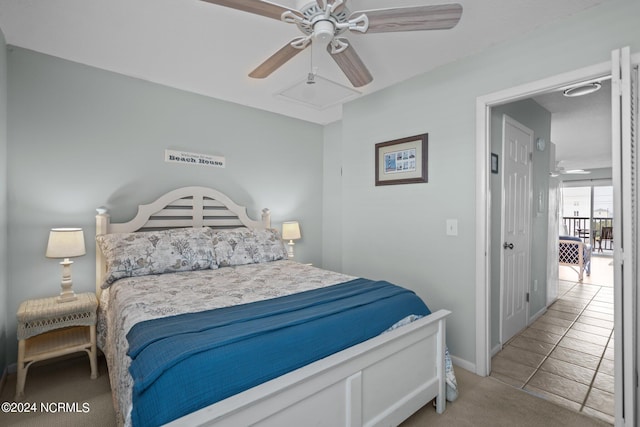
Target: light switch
<point>452,227</point>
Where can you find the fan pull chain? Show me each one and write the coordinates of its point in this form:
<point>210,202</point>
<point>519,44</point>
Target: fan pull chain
<point>311,76</point>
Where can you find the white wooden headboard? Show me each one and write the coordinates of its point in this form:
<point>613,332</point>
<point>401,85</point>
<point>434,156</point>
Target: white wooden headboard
<point>184,207</point>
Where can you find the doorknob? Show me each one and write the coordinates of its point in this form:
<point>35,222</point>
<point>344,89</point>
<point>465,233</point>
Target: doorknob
<point>507,245</point>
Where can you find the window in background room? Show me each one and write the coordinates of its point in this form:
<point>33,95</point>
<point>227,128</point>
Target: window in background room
<point>587,212</point>
<point>576,211</point>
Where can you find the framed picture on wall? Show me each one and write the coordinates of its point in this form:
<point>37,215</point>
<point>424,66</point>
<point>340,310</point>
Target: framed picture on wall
<point>494,163</point>
<point>402,161</point>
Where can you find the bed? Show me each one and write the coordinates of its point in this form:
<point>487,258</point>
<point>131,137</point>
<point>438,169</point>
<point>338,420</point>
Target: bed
<point>169,330</point>
<point>574,253</point>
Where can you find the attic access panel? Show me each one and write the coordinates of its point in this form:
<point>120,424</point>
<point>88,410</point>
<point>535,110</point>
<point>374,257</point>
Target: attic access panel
<point>320,94</point>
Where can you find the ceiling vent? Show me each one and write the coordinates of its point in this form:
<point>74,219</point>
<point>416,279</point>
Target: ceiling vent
<point>583,89</point>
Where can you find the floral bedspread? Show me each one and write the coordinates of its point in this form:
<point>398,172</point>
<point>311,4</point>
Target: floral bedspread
<point>132,300</point>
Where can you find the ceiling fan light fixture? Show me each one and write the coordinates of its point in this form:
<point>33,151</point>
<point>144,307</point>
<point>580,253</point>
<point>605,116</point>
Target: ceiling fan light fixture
<point>323,31</point>
<point>583,89</point>
<point>323,21</point>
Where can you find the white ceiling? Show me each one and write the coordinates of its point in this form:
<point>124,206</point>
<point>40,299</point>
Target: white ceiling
<point>209,49</point>
<point>580,127</point>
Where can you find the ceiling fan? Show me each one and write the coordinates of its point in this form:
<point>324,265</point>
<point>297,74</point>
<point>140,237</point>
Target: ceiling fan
<point>562,170</point>
<point>325,21</point>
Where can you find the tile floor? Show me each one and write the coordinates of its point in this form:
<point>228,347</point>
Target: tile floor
<point>566,355</point>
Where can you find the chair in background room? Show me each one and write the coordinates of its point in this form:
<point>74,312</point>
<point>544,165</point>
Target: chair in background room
<point>576,254</point>
<point>605,234</point>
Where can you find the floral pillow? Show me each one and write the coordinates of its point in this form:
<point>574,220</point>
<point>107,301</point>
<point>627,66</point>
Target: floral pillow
<point>244,246</point>
<point>156,252</point>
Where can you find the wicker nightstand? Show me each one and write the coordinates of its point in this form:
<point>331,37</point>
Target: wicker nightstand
<point>48,329</point>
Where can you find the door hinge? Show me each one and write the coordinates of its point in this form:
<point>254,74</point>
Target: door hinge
<point>527,296</point>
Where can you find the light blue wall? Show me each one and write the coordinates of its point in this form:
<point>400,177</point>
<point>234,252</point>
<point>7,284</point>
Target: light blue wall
<point>81,137</point>
<point>398,232</point>
<point>536,118</point>
<point>3,205</point>
<point>332,197</point>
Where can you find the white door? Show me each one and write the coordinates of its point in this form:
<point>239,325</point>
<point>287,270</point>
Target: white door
<point>517,141</point>
<point>624,99</point>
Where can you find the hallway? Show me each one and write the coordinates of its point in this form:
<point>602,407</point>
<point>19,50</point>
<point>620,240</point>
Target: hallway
<point>566,355</point>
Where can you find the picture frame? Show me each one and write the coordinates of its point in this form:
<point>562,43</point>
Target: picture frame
<point>494,163</point>
<point>402,161</point>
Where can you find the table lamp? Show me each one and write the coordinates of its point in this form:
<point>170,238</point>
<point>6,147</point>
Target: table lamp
<point>66,243</point>
<point>290,232</point>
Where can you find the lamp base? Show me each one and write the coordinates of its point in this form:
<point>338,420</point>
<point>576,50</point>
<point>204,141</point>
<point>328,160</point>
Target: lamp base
<point>290,248</point>
<point>67,293</point>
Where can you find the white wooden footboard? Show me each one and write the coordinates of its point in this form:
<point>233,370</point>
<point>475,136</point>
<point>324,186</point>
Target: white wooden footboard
<point>379,382</point>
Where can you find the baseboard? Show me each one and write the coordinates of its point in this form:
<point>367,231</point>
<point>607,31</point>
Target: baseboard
<point>495,350</point>
<point>535,317</point>
<point>498,347</point>
<point>464,364</point>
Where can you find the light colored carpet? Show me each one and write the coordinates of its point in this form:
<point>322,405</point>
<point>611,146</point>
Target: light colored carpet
<point>488,402</point>
<point>482,402</point>
<point>68,382</point>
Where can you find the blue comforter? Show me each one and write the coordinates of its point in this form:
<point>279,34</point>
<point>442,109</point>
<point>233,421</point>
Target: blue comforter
<point>186,362</point>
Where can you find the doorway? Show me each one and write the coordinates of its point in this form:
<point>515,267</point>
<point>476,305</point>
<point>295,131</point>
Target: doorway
<point>564,350</point>
<point>623,135</point>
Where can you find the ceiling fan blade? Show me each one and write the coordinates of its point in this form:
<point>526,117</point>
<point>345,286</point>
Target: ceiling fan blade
<point>352,66</point>
<point>339,7</point>
<point>414,18</point>
<point>277,60</point>
<point>259,7</point>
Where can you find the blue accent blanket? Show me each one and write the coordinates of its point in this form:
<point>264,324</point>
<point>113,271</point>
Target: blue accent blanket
<point>218,353</point>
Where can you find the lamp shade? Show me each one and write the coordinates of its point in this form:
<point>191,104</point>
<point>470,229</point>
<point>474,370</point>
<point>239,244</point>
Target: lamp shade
<point>65,243</point>
<point>290,230</point>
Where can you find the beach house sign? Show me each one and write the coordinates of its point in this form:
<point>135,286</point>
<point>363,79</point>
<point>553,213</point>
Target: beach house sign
<point>173,156</point>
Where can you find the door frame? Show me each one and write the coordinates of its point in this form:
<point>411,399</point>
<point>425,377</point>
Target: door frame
<point>484,104</point>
